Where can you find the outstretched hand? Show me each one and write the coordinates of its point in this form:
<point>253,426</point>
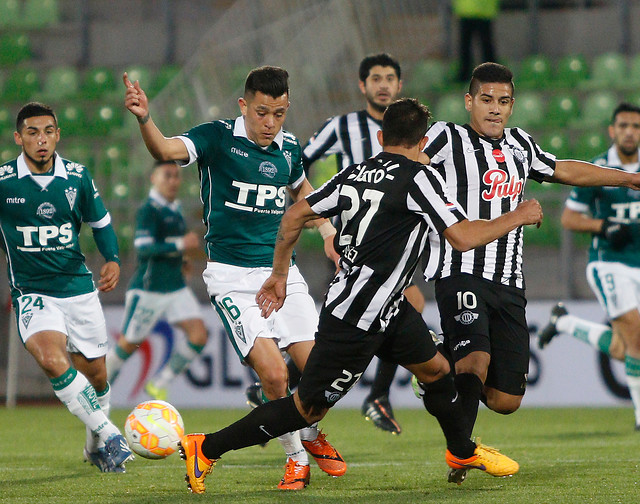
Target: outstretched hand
<point>135,98</point>
<point>271,295</point>
<point>531,212</point>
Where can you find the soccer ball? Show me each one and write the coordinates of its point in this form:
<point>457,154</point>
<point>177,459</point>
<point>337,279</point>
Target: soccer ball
<point>153,429</point>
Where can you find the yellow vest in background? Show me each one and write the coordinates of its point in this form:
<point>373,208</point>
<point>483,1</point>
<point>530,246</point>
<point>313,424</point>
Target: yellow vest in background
<point>482,9</point>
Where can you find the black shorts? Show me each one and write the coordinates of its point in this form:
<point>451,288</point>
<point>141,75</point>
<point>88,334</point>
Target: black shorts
<point>342,353</point>
<point>480,315</point>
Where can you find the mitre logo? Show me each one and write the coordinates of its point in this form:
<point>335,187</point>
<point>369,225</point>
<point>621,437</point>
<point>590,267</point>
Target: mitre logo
<point>500,185</point>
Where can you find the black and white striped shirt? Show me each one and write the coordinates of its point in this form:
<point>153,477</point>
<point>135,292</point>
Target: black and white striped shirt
<point>351,136</point>
<point>386,208</point>
<point>487,177</point>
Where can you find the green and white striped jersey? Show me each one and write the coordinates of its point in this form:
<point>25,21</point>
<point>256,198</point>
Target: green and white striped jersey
<point>160,228</point>
<point>243,188</point>
<point>40,218</point>
<point>618,203</point>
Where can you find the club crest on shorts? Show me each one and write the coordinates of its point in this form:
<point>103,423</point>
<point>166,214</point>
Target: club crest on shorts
<point>466,317</point>
<point>26,318</point>
<point>239,332</point>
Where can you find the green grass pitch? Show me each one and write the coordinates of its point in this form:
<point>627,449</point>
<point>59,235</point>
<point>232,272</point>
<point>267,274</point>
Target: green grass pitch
<point>565,455</point>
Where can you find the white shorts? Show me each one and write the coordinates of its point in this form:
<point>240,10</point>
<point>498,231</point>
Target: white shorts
<point>143,309</point>
<point>616,285</point>
<point>79,317</point>
<point>233,292</point>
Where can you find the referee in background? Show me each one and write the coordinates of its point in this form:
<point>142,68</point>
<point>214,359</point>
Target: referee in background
<point>353,139</point>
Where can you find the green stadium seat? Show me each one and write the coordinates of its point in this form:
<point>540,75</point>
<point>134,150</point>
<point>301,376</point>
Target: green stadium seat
<point>597,108</point>
<point>590,144</point>
<point>528,110</point>
<point>450,108</point>
<point>556,143</point>
<point>634,70</point>
<point>9,13</point>
<point>105,119</point>
<point>7,120</point>
<point>165,75</point>
<point>607,70</point>
<point>61,82</point>
<point>72,121</point>
<point>535,72</point>
<point>142,74</point>
<point>427,75</point>
<point>125,238</point>
<point>236,76</point>
<point>563,108</point>
<point>22,84</point>
<point>14,48</point>
<point>78,151</point>
<point>98,82</point>
<point>114,158</point>
<point>571,70</point>
<point>8,152</point>
<point>40,13</point>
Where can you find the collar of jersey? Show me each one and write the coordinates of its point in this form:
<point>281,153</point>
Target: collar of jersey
<point>239,130</point>
<point>158,198</point>
<point>613,159</point>
<point>58,167</point>
<point>493,141</point>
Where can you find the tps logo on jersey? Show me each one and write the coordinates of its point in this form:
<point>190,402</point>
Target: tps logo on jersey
<point>500,185</point>
<point>71,193</point>
<point>268,169</point>
<point>46,210</point>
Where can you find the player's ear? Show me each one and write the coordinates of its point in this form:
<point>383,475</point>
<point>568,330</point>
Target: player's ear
<point>423,143</point>
<point>379,136</point>
<point>17,138</point>
<point>467,102</point>
<point>242,103</point>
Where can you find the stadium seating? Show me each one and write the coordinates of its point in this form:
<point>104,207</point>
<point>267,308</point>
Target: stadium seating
<point>105,120</point>
<point>557,143</point>
<point>571,70</point>
<point>427,75</point>
<point>608,70</point>
<point>7,123</point>
<point>590,144</point>
<point>451,108</point>
<point>528,110</point>
<point>535,72</point>
<point>114,157</point>
<point>8,152</point>
<point>563,108</point>
<point>72,120</point>
<point>597,109</point>
<point>142,74</point>
<point>9,13</point>
<point>634,71</point>
<point>79,151</point>
<point>22,84</point>
<point>40,13</point>
<point>98,82</point>
<point>164,75</point>
<point>15,47</point>
<point>61,82</point>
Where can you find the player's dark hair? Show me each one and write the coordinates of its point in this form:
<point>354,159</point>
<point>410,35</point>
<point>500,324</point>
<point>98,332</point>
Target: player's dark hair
<point>624,107</point>
<point>382,59</point>
<point>34,109</point>
<point>270,80</point>
<point>405,122</point>
<point>490,72</point>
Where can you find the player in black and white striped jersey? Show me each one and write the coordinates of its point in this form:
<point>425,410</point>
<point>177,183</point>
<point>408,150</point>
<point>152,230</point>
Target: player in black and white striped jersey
<point>388,207</point>
<point>480,293</point>
<point>353,139</point>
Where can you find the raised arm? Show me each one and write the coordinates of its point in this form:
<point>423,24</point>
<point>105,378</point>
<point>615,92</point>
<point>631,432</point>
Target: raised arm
<point>581,173</point>
<point>160,147</point>
<point>466,234</point>
<point>273,292</point>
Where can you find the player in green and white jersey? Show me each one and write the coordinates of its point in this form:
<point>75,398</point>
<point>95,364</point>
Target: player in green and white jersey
<point>44,199</point>
<point>247,167</point>
<point>612,215</point>
<point>157,289</point>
